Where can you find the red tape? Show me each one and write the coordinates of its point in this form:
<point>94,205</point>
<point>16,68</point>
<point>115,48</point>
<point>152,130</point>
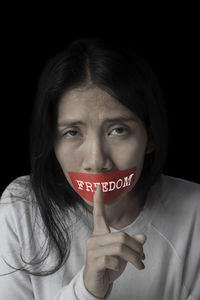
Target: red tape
<point>114,184</point>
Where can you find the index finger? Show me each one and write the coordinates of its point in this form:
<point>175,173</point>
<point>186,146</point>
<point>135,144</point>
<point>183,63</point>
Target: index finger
<point>99,217</point>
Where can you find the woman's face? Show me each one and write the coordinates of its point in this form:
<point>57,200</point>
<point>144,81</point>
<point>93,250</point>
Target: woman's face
<point>95,134</point>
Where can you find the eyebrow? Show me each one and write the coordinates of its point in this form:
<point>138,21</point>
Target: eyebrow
<point>78,122</point>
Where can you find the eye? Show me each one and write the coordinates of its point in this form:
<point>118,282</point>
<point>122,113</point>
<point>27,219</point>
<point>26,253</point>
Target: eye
<point>70,133</point>
<point>120,131</point>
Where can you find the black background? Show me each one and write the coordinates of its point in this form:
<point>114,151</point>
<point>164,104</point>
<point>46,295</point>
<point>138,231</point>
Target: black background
<point>167,38</point>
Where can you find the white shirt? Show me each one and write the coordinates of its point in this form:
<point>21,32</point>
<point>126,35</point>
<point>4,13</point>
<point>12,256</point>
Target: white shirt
<point>170,219</point>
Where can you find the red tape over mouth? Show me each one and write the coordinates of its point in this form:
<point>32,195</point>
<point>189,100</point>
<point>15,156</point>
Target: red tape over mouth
<point>113,184</point>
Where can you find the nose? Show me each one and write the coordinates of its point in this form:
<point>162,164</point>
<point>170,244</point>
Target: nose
<point>96,156</point>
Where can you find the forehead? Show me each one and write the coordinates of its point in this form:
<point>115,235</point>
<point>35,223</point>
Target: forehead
<point>80,102</point>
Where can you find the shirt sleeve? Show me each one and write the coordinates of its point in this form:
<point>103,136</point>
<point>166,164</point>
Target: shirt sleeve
<point>192,264</point>
<point>15,229</point>
<point>14,285</point>
<point>76,290</point>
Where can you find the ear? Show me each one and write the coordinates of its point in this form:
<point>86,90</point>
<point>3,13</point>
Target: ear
<point>150,147</point>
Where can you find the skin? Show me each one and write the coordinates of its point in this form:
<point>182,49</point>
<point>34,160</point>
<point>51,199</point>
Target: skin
<point>108,253</point>
<point>98,147</point>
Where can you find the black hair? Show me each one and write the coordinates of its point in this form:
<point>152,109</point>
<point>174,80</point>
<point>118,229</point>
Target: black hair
<point>118,68</point>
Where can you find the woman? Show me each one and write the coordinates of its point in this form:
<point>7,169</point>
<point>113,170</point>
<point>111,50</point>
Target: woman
<point>96,218</point>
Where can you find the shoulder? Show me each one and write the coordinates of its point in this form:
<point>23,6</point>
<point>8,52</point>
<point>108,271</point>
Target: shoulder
<point>20,220</point>
<point>180,193</point>
<point>176,224</point>
<point>18,188</point>
<point>16,203</point>
<point>17,223</point>
<point>180,183</point>
<point>178,208</point>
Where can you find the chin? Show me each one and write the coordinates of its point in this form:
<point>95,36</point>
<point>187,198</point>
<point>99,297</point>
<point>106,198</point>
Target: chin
<point>111,203</point>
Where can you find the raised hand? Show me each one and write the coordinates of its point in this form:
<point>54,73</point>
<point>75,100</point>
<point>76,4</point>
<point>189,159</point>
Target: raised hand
<point>108,253</point>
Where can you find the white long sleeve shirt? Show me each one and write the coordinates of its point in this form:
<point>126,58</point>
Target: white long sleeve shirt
<point>170,219</point>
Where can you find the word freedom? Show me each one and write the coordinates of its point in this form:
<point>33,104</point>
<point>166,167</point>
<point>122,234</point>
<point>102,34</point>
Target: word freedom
<point>106,186</point>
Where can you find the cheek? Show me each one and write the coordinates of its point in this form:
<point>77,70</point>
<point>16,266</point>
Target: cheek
<point>68,160</point>
<point>138,157</point>
<point>129,154</point>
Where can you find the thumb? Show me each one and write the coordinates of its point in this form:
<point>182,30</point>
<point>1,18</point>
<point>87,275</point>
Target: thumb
<point>141,238</point>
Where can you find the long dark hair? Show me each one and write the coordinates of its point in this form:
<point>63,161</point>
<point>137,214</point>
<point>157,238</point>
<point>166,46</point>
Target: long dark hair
<point>112,65</point>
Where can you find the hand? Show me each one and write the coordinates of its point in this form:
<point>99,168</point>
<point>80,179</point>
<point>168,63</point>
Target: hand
<point>108,253</point>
